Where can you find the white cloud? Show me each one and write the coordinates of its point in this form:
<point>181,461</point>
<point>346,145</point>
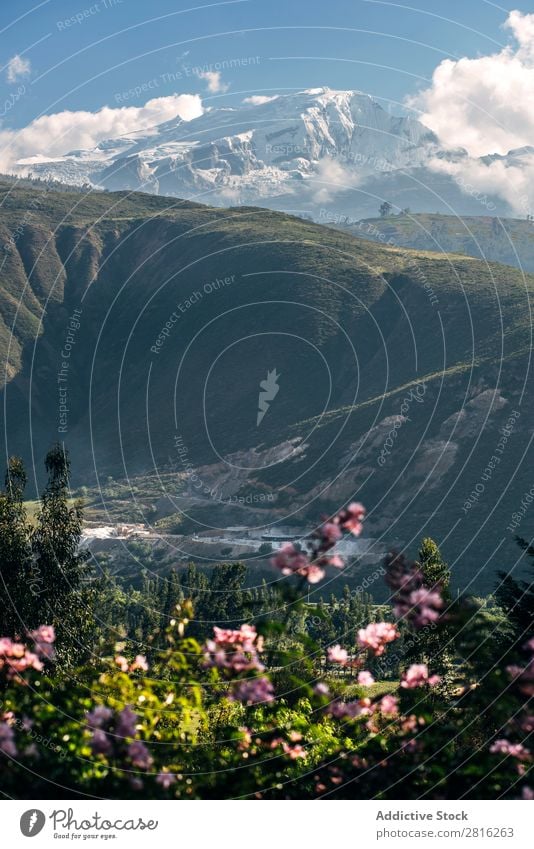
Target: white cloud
<point>485,104</point>
<point>522,27</point>
<point>331,177</point>
<point>17,67</point>
<point>488,180</point>
<point>53,135</point>
<point>258,99</point>
<point>214,82</point>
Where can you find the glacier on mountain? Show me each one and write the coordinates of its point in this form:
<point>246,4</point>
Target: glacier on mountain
<point>305,152</point>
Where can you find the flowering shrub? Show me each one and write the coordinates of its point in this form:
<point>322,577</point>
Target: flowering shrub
<point>311,565</point>
<point>187,720</point>
<point>415,603</point>
<point>16,658</point>
<point>417,676</point>
<point>376,637</point>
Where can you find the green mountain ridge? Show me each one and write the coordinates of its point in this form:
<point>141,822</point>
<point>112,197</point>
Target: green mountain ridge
<point>175,313</point>
<point>491,239</point>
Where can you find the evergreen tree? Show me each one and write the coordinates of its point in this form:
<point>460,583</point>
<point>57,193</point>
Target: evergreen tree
<point>516,597</point>
<point>436,573</point>
<point>16,588</point>
<point>432,645</point>
<point>59,568</point>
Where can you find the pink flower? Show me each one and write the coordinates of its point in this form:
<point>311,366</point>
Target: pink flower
<point>100,743</point>
<point>311,564</point>
<point>376,636</point>
<point>18,650</point>
<point>389,705</point>
<point>527,793</point>
<point>44,634</point>
<point>339,710</point>
<point>165,779</point>
<point>44,637</point>
<point>7,741</point>
<point>294,752</point>
<point>410,723</point>
<point>321,689</point>
<point>32,661</point>
<point>122,663</point>
<point>234,651</point>
<point>421,607</point>
<point>426,598</point>
<point>524,677</point>
<point>290,561</point>
<point>127,723</point>
<point>353,518</point>
<point>336,654</point>
<point>413,601</point>
<point>139,755</point>
<point>417,676</point>
<point>330,533</point>
<point>515,750</point>
<point>244,639</point>
<point>335,560</point>
<point>350,710</point>
<point>314,574</point>
<point>99,716</point>
<point>365,678</point>
<point>28,661</point>
<point>45,650</point>
<point>253,691</point>
<point>140,662</point>
<point>245,740</point>
<point>17,659</point>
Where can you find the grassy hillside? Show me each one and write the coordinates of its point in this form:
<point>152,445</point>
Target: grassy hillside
<point>138,329</point>
<point>505,240</point>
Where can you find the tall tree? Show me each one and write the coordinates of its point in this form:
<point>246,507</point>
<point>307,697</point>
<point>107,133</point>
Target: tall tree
<point>432,644</point>
<point>16,588</point>
<point>516,595</point>
<point>435,571</point>
<point>59,568</point>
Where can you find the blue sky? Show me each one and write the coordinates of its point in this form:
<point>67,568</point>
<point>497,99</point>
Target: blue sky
<point>386,49</point>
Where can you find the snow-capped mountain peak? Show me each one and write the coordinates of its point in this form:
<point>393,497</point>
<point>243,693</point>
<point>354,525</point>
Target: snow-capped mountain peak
<point>277,152</point>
